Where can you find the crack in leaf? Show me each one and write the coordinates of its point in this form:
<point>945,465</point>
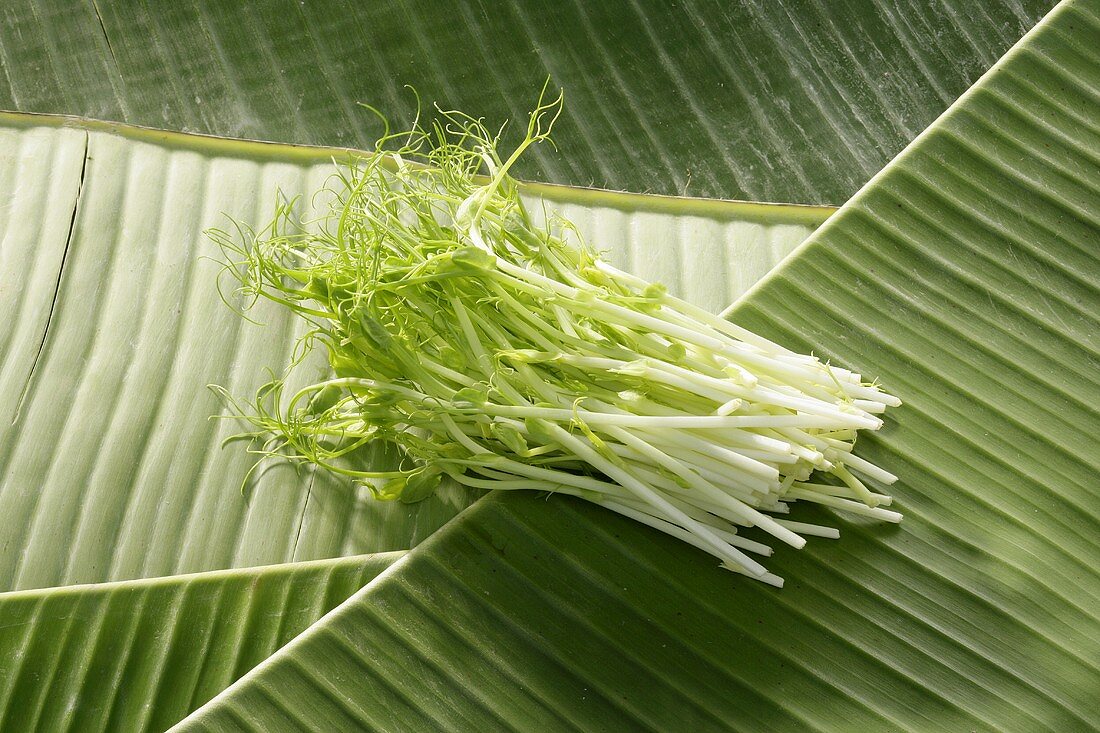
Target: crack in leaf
<point>302,518</point>
<point>57,283</point>
<point>103,28</point>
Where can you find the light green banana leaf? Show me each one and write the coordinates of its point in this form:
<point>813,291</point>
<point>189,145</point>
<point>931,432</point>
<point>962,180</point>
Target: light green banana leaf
<point>777,101</point>
<point>110,464</point>
<point>966,276</point>
<point>111,468</point>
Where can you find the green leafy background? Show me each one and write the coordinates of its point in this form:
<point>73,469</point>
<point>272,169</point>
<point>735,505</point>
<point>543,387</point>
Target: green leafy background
<point>965,275</point>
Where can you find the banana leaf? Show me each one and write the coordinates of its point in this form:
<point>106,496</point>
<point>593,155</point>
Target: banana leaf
<point>110,465</point>
<point>110,468</point>
<point>139,655</point>
<point>792,101</point>
<point>966,276</point>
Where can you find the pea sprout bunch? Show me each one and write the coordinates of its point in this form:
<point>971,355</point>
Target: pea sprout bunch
<point>502,352</point>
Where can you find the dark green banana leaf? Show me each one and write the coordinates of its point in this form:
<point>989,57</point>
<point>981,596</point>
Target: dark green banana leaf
<point>780,101</point>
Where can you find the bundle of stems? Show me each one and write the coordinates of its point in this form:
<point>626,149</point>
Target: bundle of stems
<point>503,353</point>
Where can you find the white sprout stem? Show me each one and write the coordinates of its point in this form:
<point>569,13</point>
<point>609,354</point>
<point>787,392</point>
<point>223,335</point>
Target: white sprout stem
<point>813,530</point>
<point>683,534</point>
<point>848,505</point>
<point>701,422</point>
<point>728,535</point>
<point>844,492</point>
<point>720,549</point>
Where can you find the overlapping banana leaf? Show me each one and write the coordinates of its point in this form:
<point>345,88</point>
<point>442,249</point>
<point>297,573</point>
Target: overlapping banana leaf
<point>140,655</point>
<point>778,101</point>
<point>967,276</point>
<point>110,466</point>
